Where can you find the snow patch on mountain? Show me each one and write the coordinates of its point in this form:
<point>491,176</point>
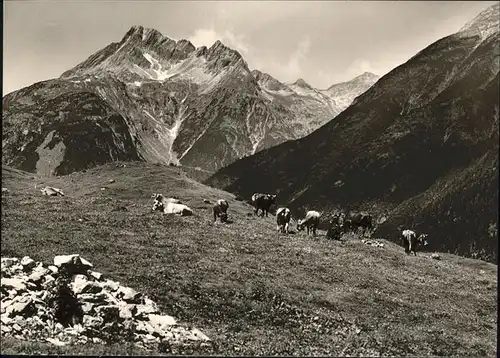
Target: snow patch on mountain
<point>167,135</point>
<point>156,67</point>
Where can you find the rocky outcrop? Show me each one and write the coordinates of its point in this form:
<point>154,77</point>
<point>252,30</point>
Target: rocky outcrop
<point>69,303</point>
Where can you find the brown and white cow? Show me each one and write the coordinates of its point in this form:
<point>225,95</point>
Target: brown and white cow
<point>311,222</point>
<point>283,216</point>
<point>51,191</point>
<point>411,242</point>
<point>356,220</point>
<point>262,202</point>
<point>170,206</point>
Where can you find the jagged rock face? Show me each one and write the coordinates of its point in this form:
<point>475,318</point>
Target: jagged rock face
<point>52,131</point>
<point>419,148</point>
<point>152,98</point>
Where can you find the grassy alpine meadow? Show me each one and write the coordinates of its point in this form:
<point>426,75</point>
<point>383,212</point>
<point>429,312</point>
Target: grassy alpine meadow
<point>252,290</point>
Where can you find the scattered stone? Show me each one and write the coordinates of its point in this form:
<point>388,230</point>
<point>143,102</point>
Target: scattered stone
<point>128,294</point>
<point>28,263</point>
<point>161,321</point>
<point>87,287</point>
<point>68,303</point>
<point>36,277</point>
<point>72,264</point>
<point>5,190</point>
<point>372,243</point>
<point>8,262</point>
<point>125,311</point>
<point>42,270</point>
<point>22,308</point>
<point>49,281</point>
<point>53,269</point>
<point>96,275</point>
<point>92,322</point>
<point>435,257</point>
<point>111,181</point>
<point>5,320</point>
<point>206,201</point>
<point>93,298</point>
<point>112,285</point>
<point>55,341</point>
<point>199,334</point>
<point>15,283</point>
<point>108,312</point>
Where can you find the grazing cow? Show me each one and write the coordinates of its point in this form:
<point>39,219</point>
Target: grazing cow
<point>170,206</point>
<point>311,222</point>
<point>410,241</point>
<point>283,216</point>
<point>51,191</point>
<point>220,210</point>
<point>262,202</point>
<point>356,220</point>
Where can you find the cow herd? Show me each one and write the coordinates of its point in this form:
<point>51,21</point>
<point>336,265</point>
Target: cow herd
<point>341,223</point>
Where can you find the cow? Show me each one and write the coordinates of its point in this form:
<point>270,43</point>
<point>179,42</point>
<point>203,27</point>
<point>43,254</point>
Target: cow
<point>311,222</point>
<point>51,191</point>
<point>170,206</point>
<point>356,220</point>
<point>410,241</point>
<point>161,200</point>
<point>220,210</point>
<point>262,202</point>
<point>283,216</point>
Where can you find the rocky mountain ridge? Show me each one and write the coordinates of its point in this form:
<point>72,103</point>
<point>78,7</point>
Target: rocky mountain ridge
<point>152,98</point>
<point>419,149</point>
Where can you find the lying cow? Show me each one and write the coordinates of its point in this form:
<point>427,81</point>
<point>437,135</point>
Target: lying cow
<point>411,242</point>
<point>356,220</point>
<point>220,210</point>
<point>262,202</point>
<point>283,216</point>
<point>51,191</point>
<point>161,200</point>
<point>170,206</point>
<point>311,222</point>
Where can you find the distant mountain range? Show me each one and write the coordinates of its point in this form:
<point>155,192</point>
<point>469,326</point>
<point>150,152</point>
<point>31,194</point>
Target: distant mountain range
<point>151,98</point>
<point>418,150</point>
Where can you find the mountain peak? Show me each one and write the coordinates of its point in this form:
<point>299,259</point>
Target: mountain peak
<point>363,79</point>
<point>485,23</point>
<point>144,34</point>
<point>259,75</point>
<point>366,76</point>
<point>301,83</point>
<point>267,81</point>
<point>221,56</point>
<point>219,48</point>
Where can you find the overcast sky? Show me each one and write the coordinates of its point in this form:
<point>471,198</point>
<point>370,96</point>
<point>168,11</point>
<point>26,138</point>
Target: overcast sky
<point>323,42</point>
